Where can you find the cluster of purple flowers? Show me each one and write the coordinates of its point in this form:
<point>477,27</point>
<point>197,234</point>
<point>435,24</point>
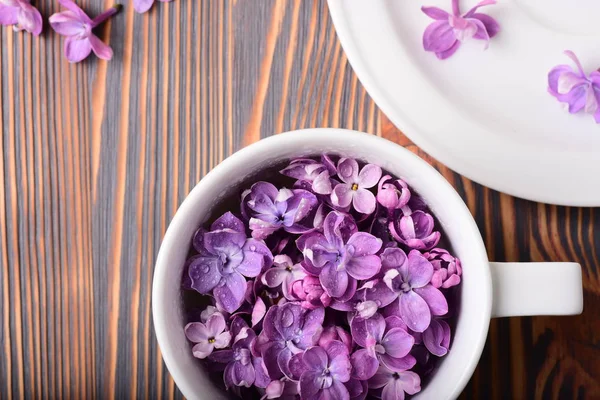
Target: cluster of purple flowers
<point>332,288</point>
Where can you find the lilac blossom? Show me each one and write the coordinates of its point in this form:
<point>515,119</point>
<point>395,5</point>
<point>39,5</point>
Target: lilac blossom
<point>340,262</point>
<point>444,36</point>
<point>446,268</point>
<point>327,369</point>
<point>270,209</point>
<point>354,186</point>
<point>415,230</point>
<point>310,293</point>
<point>209,336</point>
<point>287,330</point>
<point>21,15</point>
<point>283,273</point>
<point>318,174</point>
<point>333,332</point>
<point>395,384</point>
<point>575,88</point>
<point>437,337</point>
<point>393,194</point>
<point>226,256</point>
<point>141,6</point>
<point>77,27</point>
<point>408,278</point>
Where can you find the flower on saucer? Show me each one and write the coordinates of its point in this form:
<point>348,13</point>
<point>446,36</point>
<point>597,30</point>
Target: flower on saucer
<point>444,36</point>
<point>575,88</point>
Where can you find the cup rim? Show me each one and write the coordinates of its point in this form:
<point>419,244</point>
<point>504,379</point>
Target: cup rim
<point>242,157</point>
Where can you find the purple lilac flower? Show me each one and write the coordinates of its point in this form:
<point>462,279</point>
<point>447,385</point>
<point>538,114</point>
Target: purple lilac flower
<point>318,174</point>
<point>444,36</point>
<point>395,384</point>
<point>384,340</point>
<point>340,262</point>
<point>287,330</point>
<point>333,332</point>
<point>446,268</point>
<point>77,27</point>
<point>141,6</point>
<point>437,337</point>
<point>21,15</point>
<point>282,388</point>
<point>270,209</point>
<point>226,256</point>
<point>283,273</point>
<point>393,194</point>
<point>408,278</point>
<point>310,293</point>
<point>415,230</point>
<point>327,369</point>
<point>354,187</point>
<point>575,88</point>
<point>209,336</point>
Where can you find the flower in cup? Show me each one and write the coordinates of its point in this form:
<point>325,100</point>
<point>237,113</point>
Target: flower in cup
<point>444,36</point>
<point>310,293</point>
<point>446,268</point>
<point>270,209</point>
<point>437,337</point>
<point>354,186</point>
<point>209,336</point>
<point>340,262</point>
<point>318,174</point>
<point>393,194</point>
<point>409,278</point>
<point>287,330</point>
<point>415,230</point>
<point>21,15</point>
<point>327,369</point>
<point>575,88</point>
<point>395,385</point>
<point>226,257</point>
<point>283,273</point>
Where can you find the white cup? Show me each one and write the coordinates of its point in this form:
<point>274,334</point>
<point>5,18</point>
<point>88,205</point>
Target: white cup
<point>489,289</point>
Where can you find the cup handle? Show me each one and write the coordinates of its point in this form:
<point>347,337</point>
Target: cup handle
<point>536,288</point>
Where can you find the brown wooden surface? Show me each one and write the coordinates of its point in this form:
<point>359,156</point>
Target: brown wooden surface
<point>96,157</point>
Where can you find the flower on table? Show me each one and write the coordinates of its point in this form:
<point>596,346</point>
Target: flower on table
<point>77,27</point>
<point>21,15</point>
<point>327,369</point>
<point>354,186</point>
<point>444,36</point>
<point>395,384</point>
<point>141,6</point>
<point>575,88</point>
<point>209,336</point>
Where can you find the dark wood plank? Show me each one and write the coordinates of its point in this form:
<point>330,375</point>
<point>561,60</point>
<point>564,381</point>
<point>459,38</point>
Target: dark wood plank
<point>96,157</point>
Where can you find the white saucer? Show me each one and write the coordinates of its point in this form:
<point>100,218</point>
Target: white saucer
<point>486,114</point>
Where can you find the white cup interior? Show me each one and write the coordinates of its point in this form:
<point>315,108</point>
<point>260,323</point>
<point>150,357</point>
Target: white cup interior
<point>459,227</point>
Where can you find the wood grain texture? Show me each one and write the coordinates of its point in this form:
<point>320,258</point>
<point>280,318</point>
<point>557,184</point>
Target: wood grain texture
<point>95,159</point>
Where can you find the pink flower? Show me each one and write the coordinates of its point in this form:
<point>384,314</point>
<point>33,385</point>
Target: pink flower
<point>21,15</point>
<point>77,27</point>
<point>142,6</point>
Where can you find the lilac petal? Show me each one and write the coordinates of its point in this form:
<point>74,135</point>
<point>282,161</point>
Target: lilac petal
<point>491,25</point>
<point>481,32</point>
<point>266,188</point>
<point>231,295</point>
<point>357,389</point>
<point>65,23</point>
<point>392,258</point>
<point>269,330</point>
<point>463,28</point>
<point>242,375</point>
<point>269,354</point>
<point>202,350</point>
<point>274,276</point>
<point>411,382</point>
<point>261,379</point>
<point>339,362</point>
<point>398,364</point>
<point>296,366</point>
<point>453,280</point>
<point>342,195</point>
<point>221,356</point>
<point>369,176</point>
<point>197,332</point>
<point>381,378</point>
<point>71,6</point>
<point>334,282</point>
<point>362,268</point>
<point>419,269</point>
<point>437,337</point>
<point>364,244</point>
<point>365,331</point>
<point>438,36</point>
<point>309,384</point>
<point>381,294</point>
<point>254,259</point>
<point>315,359</point>
<point>215,241</point>
<point>442,55</point>
<point>274,389</point>
<point>414,311</point>
<point>364,366</point>
<point>9,14</point>
<point>435,13</point>
<point>469,13</point>
<point>303,202</point>
<point>258,311</point>
<point>141,6</point>
<point>348,170</point>
<point>228,221</point>
<point>350,291</point>
<point>337,391</point>
<point>204,274</point>
<point>215,324</point>
<point>395,322</point>
<point>30,19</point>
<point>222,340</point>
<point>322,183</point>
<point>397,342</point>
<point>364,201</point>
<point>434,298</point>
<point>393,391</point>
<point>283,360</point>
<point>77,49</point>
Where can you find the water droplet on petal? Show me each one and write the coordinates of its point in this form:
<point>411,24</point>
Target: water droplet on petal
<point>253,248</point>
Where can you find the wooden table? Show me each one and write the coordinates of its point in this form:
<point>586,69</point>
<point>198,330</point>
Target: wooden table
<point>95,159</point>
